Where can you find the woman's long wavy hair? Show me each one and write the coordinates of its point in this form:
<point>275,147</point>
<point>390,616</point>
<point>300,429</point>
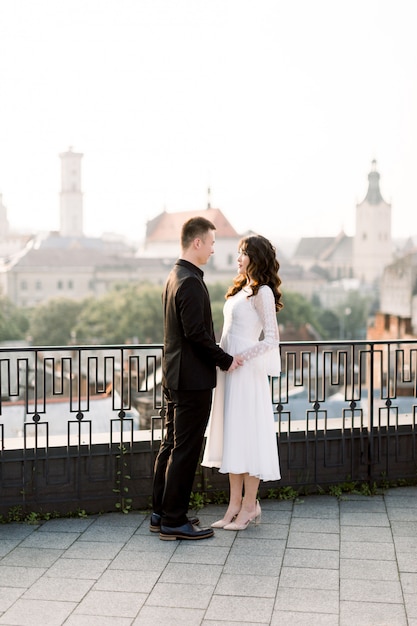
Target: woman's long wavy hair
<point>263,268</point>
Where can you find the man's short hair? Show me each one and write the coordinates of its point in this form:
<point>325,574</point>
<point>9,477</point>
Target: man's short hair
<point>195,227</point>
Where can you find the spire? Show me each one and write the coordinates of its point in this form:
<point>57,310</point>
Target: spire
<point>374,194</point>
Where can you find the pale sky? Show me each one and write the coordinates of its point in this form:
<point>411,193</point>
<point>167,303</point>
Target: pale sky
<point>278,106</point>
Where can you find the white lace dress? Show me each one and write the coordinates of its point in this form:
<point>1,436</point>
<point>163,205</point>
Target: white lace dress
<point>241,433</point>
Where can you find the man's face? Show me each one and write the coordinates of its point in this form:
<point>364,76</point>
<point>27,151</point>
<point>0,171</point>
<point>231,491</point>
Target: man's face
<point>205,247</point>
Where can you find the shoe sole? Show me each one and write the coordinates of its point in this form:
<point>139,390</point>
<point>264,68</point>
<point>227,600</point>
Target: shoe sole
<point>154,529</point>
<point>175,537</point>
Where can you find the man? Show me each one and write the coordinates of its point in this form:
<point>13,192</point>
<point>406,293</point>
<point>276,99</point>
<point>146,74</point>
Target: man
<point>190,357</point>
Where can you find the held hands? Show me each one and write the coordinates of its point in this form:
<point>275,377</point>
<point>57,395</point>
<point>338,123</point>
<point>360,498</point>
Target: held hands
<point>237,361</point>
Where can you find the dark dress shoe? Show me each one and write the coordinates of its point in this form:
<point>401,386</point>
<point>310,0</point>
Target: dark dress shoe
<point>155,523</point>
<point>186,531</point>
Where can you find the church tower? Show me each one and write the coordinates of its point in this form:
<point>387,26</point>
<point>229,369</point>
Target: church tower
<point>71,197</point>
<point>372,244</point>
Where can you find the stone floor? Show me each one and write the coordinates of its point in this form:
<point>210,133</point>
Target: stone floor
<point>318,561</point>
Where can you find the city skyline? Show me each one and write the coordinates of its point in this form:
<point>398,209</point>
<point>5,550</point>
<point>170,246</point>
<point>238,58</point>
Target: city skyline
<point>279,108</point>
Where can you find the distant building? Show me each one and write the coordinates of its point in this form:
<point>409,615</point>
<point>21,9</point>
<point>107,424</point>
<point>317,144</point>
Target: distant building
<point>71,196</point>
<point>397,316</point>
<point>164,231</point>
<point>372,246</point>
<point>361,257</point>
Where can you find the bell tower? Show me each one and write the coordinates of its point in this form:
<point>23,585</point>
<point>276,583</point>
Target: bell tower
<point>372,243</point>
<point>71,197</point>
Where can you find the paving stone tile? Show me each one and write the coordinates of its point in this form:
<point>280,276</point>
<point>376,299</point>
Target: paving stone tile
<point>60,589</point>
<point>397,514</point>
<point>141,561</point>
<point>257,565</point>
<point>363,504</point>
<point>372,614</point>
<point>66,524</point>
<point>191,573</point>
<point>31,557</point>
<point>370,569</point>
<point>107,534</point>
<point>369,534</point>
<point>93,550</point>
<point>260,547</point>
<point>149,543</point>
<point>111,603</point>
<point>24,577</point>
<point>322,508</point>
<point>364,519</point>
<point>240,609</point>
<point>247,585</point>
<point>407,562</point>
<point>77,568</point>
<point>57,540</point>
<point>121,580</point>
<point>309,578</point>
<point>404,529</point>
<point>306,557</point>
<point>8,596</point>
<point>154,615</point>
<point>406,544</point>
<point>188,552</point>
<point>361,550</point>
<point>8,546</point>
<point>294,618</point>
<point>313,524</point>
<point>410,600</point>
<point>98,620</point>
<point>408,582</point>
<point>318,541</point>
<point>180,595</point>
<point>37,613</point>
<point>307,600</point>
<point>371,591</point>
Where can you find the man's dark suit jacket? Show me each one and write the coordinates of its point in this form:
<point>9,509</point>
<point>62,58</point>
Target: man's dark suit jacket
<point>190,349</point>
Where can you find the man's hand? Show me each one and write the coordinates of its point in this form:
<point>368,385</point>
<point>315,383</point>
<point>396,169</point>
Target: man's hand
<point>237,361</point>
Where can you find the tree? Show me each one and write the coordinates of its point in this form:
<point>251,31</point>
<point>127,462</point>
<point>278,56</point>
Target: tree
<point>14,322</point>
<point>52,323</point>
<point>126,314</point>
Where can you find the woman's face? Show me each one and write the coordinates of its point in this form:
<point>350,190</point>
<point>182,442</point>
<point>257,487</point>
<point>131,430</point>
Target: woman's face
<point>242,262</point>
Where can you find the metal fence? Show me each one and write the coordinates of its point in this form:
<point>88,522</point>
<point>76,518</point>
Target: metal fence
<point>80,425</point>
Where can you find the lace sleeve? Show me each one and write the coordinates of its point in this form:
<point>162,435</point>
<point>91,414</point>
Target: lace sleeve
<point>264,304</point>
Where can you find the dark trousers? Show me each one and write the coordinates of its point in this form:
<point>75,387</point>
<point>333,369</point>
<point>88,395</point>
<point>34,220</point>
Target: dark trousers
<point>175,466</point>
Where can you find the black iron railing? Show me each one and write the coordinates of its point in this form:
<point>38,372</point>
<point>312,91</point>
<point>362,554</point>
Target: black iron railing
<point>70,417</point>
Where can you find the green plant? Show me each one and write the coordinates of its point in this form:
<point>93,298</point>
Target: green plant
<point>287,493</point>
<point>198,500</point>
<point>336,490</point>
<point>219,497</point>
<point>124,503</point>
<point>15,514</point>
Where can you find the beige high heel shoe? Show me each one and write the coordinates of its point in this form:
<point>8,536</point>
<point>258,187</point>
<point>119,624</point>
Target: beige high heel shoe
<point>221,523</point>
<point>256,519</point>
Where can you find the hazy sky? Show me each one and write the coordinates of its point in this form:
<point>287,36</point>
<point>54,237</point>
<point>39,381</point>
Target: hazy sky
<point>278,106</point>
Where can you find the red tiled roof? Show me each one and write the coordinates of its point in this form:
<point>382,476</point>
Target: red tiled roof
<point>167,226</point>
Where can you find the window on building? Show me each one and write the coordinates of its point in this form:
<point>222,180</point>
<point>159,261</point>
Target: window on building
<point>70,284</point>
<point>59,284</point>
<point>38,285</point>
<point>387,319</point>
<point>23,285</point>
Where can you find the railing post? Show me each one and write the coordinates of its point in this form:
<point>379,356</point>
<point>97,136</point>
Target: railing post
<point>371,415</point>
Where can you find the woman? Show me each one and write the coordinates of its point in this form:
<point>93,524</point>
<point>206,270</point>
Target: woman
<point>241,435</point>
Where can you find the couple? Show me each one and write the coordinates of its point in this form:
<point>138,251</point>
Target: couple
<point>241,437</point>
